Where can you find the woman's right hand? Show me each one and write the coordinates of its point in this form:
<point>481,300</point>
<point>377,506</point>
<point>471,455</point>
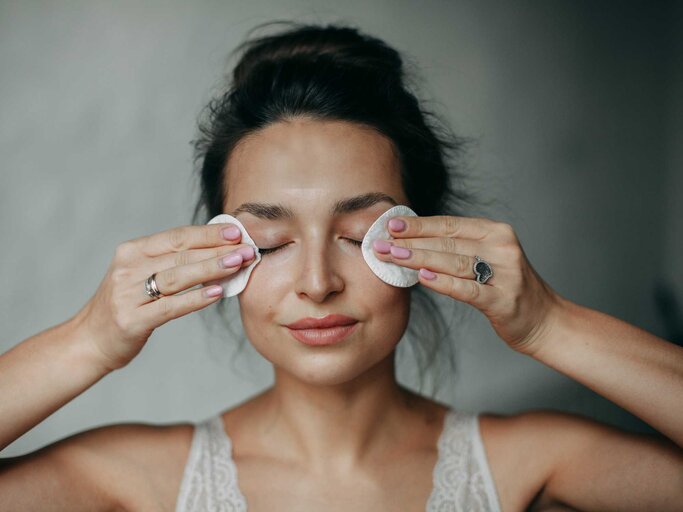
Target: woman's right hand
<point>120,317</point>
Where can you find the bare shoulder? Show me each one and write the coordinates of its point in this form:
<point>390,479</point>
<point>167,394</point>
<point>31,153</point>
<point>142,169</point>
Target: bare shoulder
<point>125,466</point>
<point>144,461</point>
<point>556,450</point>
<point>529,444</point>
<point>511,444</point>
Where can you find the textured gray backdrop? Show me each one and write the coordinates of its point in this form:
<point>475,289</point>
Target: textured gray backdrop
<point>576,107</point>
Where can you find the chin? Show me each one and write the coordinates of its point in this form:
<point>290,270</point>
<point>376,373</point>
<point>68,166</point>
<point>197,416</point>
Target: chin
<point>330,369</point>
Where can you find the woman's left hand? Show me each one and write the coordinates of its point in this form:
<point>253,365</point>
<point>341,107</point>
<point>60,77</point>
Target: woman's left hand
<point>516,300</point>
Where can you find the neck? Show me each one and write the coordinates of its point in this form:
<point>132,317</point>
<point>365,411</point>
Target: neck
<point>339,425</point>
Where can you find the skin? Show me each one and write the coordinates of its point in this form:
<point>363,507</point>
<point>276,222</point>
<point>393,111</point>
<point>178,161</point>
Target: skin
<point>364,442</point>
<point>337,422</point>
<point>331,410</point>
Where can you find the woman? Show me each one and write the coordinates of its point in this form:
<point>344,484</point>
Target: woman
<point>316,139</point>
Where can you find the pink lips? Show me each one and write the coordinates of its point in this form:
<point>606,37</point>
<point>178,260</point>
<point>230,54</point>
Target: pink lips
<point>322,331</point>
<point>322,323</point>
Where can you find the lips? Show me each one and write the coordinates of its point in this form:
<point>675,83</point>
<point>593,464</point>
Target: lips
<point>326,322</point>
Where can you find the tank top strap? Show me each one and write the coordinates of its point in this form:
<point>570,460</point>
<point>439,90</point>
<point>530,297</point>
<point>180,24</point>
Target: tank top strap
<point>462,478</point>
<point>209,480</point>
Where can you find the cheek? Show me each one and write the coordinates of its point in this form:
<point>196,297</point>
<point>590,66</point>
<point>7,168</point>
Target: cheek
<point>272,282</point>
<point>259,299</point>
<point>388,308</point>
<point>262,301</point>
<point>267,281</point>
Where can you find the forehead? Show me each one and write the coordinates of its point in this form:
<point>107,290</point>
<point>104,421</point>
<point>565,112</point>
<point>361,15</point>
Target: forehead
<point>303,162</point>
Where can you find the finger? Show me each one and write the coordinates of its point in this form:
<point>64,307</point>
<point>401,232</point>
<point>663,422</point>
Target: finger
<point>178,259</point>
<point>160,311</point>
<point>177,279</point>
<point>443,244</point>
<point>459,265</point>
<point>182,238</point>
<point>471,292</point>
<point>472,228</point>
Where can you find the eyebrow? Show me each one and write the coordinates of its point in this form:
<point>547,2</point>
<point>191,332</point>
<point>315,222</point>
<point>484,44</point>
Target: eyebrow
<point>270,211</point>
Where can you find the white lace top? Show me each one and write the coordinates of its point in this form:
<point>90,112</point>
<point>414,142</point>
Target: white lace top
<point>461,477</point>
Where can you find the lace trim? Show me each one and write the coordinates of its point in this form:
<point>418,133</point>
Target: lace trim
<point>480,454</point>
<point>228,484</point>
<point>188,485</point>
<point>210,477</point>
<point>461,477</point>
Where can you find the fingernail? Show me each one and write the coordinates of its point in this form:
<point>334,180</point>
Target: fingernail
<point>246,252</point>
<point>427,274</point>
<point>400,252</point>
<point>231,233</point>
<point>397,225</point>
<point>381,246</point>
<point>232,260</point>
<point>213,291</point>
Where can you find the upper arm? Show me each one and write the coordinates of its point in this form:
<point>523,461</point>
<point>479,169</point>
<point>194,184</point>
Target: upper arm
<point>95,470</point>
<point>598,467</point>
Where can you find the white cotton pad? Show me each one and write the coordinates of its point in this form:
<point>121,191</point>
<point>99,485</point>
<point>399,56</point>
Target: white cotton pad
<point>235,283</point>
<point>389,272</point>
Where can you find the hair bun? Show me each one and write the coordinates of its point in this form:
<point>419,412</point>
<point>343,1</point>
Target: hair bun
<point>340,46</point>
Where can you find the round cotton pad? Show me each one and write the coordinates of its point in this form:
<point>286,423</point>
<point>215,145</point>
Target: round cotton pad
<point>389,272</point>
<point>235,283</point>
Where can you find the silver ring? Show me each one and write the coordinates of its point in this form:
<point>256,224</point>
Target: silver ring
<point>151,287</point>
<point>482,270</point>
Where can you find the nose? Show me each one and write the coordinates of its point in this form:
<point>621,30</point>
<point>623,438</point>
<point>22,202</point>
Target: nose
<point>319,276</point>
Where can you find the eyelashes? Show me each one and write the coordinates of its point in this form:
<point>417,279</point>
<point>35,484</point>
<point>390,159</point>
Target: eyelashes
<point>275,249</point>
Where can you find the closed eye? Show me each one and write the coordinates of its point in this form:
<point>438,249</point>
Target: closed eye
<point>271,250</point>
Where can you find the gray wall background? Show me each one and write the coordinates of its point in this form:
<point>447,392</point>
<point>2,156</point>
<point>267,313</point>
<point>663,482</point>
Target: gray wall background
<point>576,107</point>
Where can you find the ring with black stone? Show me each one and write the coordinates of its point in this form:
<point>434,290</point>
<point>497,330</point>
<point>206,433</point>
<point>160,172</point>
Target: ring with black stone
<point>482,270</point>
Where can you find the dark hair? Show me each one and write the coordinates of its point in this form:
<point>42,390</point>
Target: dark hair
<point>336,72</point>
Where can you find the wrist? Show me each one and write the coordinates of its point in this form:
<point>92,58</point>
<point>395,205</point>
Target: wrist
<point>83,347</point>
<point>560,323</point>
<point>549,329</point>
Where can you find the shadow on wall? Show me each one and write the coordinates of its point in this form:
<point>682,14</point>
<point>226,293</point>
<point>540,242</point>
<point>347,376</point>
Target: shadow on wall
<point>571,397</point>
<point>669,310</point>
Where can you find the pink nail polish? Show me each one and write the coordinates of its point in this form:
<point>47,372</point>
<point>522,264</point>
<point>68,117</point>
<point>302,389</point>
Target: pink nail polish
<point>427,274</point>
<point>400,252</point>
<point>381,246</point>
<point>397,224</point>
<point>232,260</point>
<point>231,233</point>
<point>246,252</point>
<point>213,291</point>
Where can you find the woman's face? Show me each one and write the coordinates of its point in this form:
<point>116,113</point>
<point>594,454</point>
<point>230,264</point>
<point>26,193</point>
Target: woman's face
<point>308,166</point>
